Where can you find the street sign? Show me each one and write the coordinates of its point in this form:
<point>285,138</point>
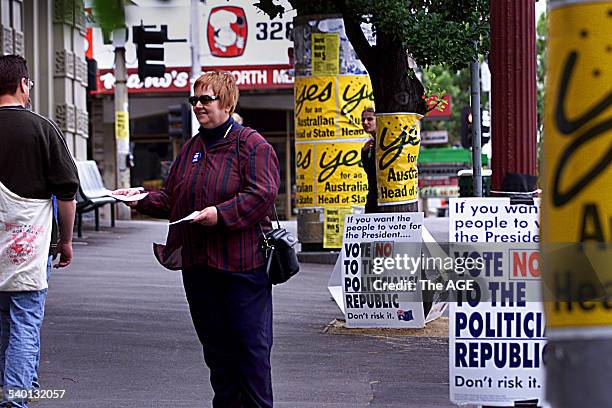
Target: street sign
<point>236,35</point>
<point>497,333</point>
<point>376,291</point>
<point>176,79</point>
<point>434,137</point>
<point>485,77</point>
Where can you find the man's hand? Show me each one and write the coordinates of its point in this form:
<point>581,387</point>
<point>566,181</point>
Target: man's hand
<point>128,192</point>
<point>207,217</point>
<point>64,250</point>
<point>66,211</point>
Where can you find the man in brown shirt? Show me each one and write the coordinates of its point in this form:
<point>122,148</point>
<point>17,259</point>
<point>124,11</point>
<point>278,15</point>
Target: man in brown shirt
<point>34,164</point>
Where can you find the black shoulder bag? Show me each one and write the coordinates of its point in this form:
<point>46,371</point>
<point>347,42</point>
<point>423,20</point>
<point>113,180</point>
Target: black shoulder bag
<point>278,244</point>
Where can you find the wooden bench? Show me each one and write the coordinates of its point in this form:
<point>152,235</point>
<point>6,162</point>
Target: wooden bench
<point>92,194</point>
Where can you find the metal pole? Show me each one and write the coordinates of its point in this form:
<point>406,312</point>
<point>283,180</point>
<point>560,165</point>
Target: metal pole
<point>476,139</point>
<point>122,122</point>
<point>288,165</point>
<point>196,65</point>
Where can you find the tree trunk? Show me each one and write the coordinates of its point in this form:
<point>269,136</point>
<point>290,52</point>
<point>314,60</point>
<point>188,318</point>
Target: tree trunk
<point>396,89</point>
<point>395,85</point>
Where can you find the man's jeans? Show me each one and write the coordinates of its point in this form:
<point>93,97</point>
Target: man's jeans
<point>21,317</point>
<point>35,383</point>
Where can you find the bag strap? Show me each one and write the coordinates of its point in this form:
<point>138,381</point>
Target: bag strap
<point>276,215</point>
<point>240,175</point>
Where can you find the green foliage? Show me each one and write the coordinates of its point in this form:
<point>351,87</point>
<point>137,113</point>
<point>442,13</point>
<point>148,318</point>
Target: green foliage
<point>110,14</point>
<point>433,31</point>
<point>441,36</point>
<point>440,80</point>
<point>449,32</point>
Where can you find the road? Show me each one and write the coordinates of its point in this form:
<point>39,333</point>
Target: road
<point>118,333</point>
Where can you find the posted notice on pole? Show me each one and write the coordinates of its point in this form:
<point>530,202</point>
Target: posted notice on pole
<point>122,125</point>
<point>497,331</point>
<point>578,178</point>
<point>380,270</point>
<point>333,226</point>
<point>329,138</point>
<point>397,151</point>
<point>325,53</point>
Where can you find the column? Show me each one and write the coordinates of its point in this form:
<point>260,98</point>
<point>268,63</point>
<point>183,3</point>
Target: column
<point>513,73</point>
<point>70,74</point>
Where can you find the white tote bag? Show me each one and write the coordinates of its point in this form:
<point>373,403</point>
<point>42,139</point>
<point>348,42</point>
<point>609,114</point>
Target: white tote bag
<point>25,236</point>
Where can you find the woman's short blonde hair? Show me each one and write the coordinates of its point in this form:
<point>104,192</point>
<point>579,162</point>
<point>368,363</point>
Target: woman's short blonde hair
<point>223,85</point>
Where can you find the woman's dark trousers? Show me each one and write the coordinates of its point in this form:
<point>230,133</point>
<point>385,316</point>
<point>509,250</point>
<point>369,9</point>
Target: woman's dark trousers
<point>232,315</point>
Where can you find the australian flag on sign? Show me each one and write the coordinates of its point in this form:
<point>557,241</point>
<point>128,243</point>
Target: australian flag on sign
<point>405,315</point>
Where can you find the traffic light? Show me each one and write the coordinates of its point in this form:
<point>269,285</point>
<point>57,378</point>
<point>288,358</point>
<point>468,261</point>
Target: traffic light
<point>485,128</point>
<point>92,69</point>
<point>466,127</point>
<point>466,130</point>
<point>143,39</point>
<point>179,121</point>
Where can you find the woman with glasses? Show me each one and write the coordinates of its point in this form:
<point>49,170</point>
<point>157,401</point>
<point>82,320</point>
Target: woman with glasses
<point>229,174</point>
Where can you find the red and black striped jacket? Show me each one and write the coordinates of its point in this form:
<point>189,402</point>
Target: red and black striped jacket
<point>201,177</point>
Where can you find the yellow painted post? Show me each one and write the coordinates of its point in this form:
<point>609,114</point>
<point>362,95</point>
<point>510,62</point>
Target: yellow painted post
<point>577,204</point>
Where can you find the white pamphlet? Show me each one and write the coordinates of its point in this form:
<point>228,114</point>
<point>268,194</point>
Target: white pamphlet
<point>187,218</point>
<point>135,197</point>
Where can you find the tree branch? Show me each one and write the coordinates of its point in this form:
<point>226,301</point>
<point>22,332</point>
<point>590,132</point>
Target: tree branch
<point>356,36</point>
<point>438,103</point>
<point>271,9</point>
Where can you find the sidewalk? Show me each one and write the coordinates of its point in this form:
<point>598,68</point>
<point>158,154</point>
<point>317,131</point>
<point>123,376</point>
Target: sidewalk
<point>118,333</point>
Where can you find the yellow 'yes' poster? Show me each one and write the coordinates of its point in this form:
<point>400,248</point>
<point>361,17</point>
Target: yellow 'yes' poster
<point>577,203</point>
<point>341,180</point>
<point>329,137</point>
<point>397,150</point>
<point>354,95</point>
<point>305,174</point>
<point>315,108</point>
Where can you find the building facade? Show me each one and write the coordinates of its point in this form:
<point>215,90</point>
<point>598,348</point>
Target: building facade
<point>50,34</point>
<point>234,37</point>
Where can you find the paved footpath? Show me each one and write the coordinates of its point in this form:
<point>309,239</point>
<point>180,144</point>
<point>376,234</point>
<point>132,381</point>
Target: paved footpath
<point>117,333</point>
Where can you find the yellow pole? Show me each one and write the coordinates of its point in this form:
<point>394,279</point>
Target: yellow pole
<point>577,203</point>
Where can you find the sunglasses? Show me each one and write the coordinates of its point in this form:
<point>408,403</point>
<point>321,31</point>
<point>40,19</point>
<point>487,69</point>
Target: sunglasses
<point>203,99</point>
